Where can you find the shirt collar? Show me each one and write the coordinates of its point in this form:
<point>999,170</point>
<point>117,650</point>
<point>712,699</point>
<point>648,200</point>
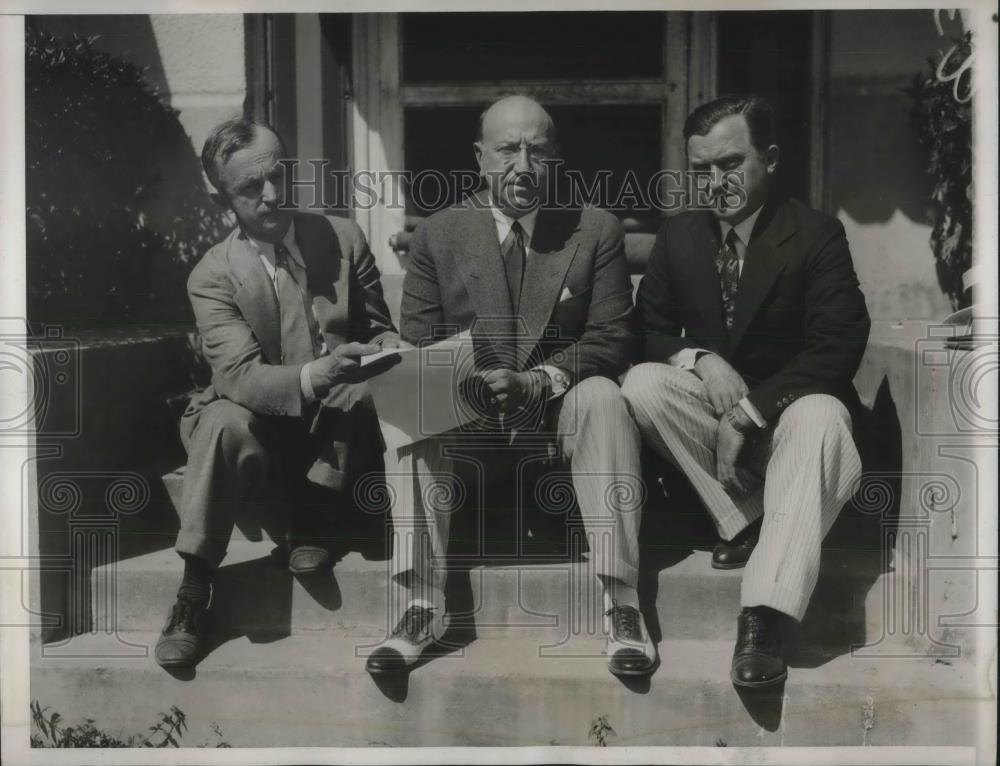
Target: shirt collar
<point>744,228</point>
<point>266,249</point>
<point>505,222</point>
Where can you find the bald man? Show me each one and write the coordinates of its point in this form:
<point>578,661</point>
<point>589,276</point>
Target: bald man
<point>547,297</point>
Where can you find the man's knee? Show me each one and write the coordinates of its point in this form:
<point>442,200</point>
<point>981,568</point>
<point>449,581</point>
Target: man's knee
<point>653,379</point>
<point>232,427</point>
<point>599,394</point>
<point>819,414</point>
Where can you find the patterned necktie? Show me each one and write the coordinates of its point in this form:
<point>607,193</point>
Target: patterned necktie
<point>514,258</point>
<point>727,261</point>
<point>296,339</point>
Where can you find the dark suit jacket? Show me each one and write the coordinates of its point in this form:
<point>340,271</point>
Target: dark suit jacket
<point>456,281</point>
<point>237,312</point>
<point>801,324</point>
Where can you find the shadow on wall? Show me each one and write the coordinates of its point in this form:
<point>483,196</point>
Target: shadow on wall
<point>877,169</point>
<point>117,209</point>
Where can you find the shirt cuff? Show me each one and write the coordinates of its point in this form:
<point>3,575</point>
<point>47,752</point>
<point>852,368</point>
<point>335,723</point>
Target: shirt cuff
<point>305,383</point>
<point>558,379</point>
<point>753,413</point>
<point>686,357</point>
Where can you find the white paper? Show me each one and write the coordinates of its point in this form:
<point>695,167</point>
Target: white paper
<point>419,396</point>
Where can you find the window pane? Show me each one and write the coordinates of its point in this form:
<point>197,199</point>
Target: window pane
<point>615,139</point>
<point>489,47</point>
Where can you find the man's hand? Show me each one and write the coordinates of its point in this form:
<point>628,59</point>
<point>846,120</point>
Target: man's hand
<point>393,341</point>
<point>342,365</point>
<point>729,444</point>
<point>725,386</point>
<point>516,389</point>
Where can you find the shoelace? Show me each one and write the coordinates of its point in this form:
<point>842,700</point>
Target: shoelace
<point>756,631</point>
<point>625,621</point>
<point>184,617</point>
<point>414,623</point>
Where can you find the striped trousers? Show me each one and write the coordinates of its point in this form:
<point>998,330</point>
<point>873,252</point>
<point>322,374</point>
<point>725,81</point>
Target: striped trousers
<point>803,469</point>
<point>600,444</point>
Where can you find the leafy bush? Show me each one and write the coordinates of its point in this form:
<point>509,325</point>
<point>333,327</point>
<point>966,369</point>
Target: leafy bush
<point>103,156</point>
<point>52,733</point>
<point>944,126</point>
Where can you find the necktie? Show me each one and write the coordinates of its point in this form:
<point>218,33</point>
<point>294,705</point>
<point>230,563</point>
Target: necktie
<point>296,340</point>
<point>727,261</point>
<point>514,257</point>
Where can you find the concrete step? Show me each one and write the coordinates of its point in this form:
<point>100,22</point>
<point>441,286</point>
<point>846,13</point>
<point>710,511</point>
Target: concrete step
<point>311,690</point>
<point>684,597</point>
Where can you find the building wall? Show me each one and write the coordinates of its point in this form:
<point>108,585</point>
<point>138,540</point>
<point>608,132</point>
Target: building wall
<point>877,184</point>
<point>196,61</point>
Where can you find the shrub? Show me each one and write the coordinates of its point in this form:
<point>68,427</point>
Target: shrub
<point>102,153</point>
<point>944,126</point>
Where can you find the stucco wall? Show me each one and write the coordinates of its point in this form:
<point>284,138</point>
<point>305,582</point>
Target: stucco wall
<point>196,61</point>
<point>876,167</point>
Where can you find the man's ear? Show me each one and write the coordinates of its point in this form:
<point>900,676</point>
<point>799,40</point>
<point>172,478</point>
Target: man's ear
<point>218,197</point>
<point>771,155</point>
<point>477,147</point>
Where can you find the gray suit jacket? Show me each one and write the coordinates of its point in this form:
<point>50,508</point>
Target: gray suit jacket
<point>576,302</point>
<point>237,316</point>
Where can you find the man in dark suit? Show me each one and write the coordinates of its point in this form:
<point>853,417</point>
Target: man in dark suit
<point>285,306</point>
<point>753,327</point>
<point>547,298</point>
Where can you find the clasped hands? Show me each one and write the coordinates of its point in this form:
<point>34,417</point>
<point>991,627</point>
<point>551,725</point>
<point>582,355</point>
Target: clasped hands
<point>505,391</point>
<point>725,388</point>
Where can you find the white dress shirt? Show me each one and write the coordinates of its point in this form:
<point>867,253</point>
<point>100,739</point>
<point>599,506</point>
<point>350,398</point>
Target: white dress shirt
<point>558,378</point>
<point>297,269</point>
<point>685,358</point>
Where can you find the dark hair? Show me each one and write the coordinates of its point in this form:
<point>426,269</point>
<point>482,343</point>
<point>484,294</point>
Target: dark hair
<point>226,139</point>
<point>755,110</point>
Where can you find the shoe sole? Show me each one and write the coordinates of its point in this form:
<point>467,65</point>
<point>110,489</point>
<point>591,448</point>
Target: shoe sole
<point>633,673</point>
<point>759,684</point>
<point>310,570</point>
<point>728,566</point>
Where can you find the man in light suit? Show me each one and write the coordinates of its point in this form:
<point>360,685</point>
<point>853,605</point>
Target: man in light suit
<point>285,306</point>
<point>547,297</point>
<point>753,327</point>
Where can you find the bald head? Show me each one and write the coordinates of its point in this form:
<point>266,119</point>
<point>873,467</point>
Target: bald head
<point>516,110</point>
<point>517,141</point>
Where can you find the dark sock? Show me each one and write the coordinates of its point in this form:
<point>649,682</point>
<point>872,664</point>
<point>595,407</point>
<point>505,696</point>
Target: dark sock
<point>197,582</point>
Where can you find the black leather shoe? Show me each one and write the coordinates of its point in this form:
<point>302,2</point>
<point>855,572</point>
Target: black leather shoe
<point>181,641</point>
<point>757,660</point>
<point>735,553</point>
<point>631,652</point>
<point>308,559</point>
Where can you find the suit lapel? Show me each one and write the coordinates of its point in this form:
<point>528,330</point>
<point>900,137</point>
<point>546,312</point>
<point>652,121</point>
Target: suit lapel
<point>255,296</point>
<point>326,271</point>
<point>702,277</point>
<point>477,255</point>
<point>765,259</point>
<point>553,251</point>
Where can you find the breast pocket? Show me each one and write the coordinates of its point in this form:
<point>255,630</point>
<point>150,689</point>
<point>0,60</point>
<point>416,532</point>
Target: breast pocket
<point>572,309</point>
